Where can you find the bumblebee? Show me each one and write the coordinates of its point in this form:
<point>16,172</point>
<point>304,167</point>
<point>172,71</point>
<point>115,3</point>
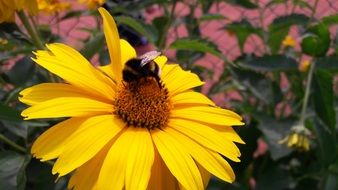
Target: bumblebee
<point>142,67</point>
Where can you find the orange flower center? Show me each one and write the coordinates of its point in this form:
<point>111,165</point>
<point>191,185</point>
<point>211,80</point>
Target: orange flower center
<point>143,103</point>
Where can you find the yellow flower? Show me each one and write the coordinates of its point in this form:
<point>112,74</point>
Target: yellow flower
<point>52,6</point>
<point>304,66</point>
<point>3,41</point>
<point>8,8</point>
<point>92,4</point>
<point>289,41</point>
<point>298,139</point>
<point>7,11</point>
<point>129,135</point>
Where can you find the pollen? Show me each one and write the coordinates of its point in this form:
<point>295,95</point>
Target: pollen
<point>143,103</point>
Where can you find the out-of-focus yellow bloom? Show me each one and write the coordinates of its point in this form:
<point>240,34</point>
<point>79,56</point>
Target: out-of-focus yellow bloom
<point>3,41</point>
<point>52,6</point>
<point>8,8</point>
<point>92,4</point>
<point>30,5</point>
<point>298,139</point>
<point>289,41</point>
<point>304,66</point>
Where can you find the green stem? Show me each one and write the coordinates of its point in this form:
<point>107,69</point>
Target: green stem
<point>31,31</point>
<point>307,92</point>
<point>163,37</point>
<point>12,144</point>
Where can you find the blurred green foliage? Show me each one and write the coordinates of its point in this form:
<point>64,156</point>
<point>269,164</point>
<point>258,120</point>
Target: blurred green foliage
<point>273,94</point>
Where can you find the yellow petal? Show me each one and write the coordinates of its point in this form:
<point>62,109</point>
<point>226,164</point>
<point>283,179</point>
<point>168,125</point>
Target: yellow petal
<point>161,178</point>
<point>191,97</point>
<point>206,137</point>
<point>46,91</point>
<point>207,114</point>
<point>85,177</point>
<point>112,38</point>
<point>70,65</point>
<point>87,142</point>
<point>210,160</point>
<point>140,159</point>
<point>127,51</point>
<point>67,107</point>
<point>178,161</point>
<point>228,132</point>
<point>161,60</point>
<point>113,171</point>
<point>205,175</point>
<point>50,144</point>
<point>172,75</point>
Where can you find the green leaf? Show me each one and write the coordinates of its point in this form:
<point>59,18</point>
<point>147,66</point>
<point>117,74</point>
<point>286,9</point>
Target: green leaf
<point>324,98</point>
<point>273,178</point>
<point>9,114</point>
<point>199,45</point>
<point>12,173</point>
<point>93,45</point>
<point>255,83</point>
<point>209,17</point>
<point>137,25</point>
<point>271,63</point>
<point>244,3</point>
<point>279,28</point>
<point>326,144</point>
<point>25,67</point>
<point>243,30</point>
<point>330,20</point>
<point>274,131</point>
<point>329,63</point>
<point>316,40</point>
<point>159,23</point>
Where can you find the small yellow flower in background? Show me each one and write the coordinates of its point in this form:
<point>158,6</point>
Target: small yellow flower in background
<point>298,139</point>
<point>3,41</point>
<point>92,4</point>
<point>289,41</point>
<point>304,66</point>
<point>152,133</point>
<point>8,8</point>
<point>52,6</point>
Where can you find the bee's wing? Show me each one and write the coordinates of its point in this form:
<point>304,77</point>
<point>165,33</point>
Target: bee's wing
<point>148,57</point>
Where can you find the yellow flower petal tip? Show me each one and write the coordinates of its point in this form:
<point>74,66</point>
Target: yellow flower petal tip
<point>126,128</point>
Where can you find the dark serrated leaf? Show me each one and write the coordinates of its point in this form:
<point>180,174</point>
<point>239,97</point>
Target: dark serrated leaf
<point>242,30</point>
<point>271,63</point>
<point>326,144</point>
<point>12,175</point>
<point>9,114</point>
<point>323,98</point>
<point>330,20</point>
<point>274,131</point>
<point>329,63</point>
<point>279,28</point>
<point>21,72</point>
<point>200,45</point>
<point>244,3</point>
